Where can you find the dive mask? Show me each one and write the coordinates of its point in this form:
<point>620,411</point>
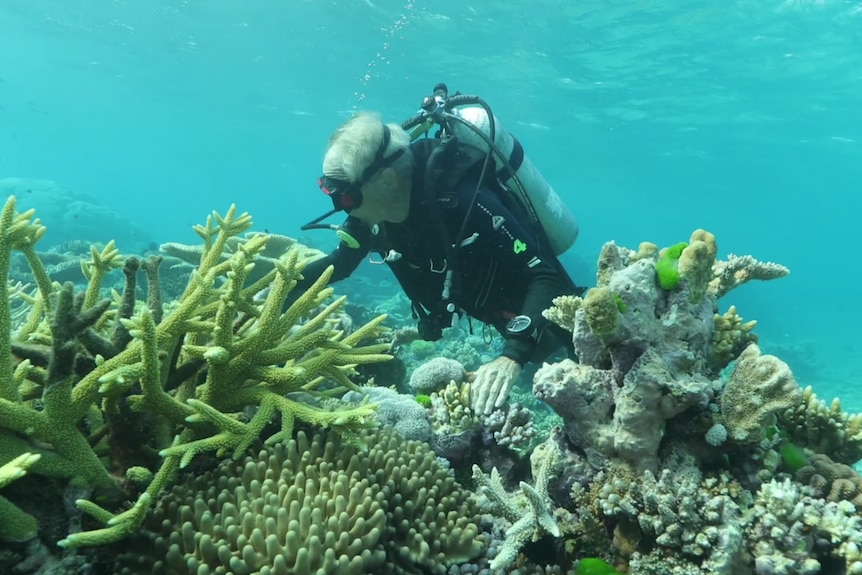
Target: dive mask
<point>347,196</point>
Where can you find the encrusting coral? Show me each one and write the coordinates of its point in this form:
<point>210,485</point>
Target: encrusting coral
<point>194,372</point>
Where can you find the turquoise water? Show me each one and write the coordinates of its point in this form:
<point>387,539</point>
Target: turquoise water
<point>651,119</point>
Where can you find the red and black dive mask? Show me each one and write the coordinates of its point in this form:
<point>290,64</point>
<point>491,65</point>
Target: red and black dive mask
<point>347,196</point>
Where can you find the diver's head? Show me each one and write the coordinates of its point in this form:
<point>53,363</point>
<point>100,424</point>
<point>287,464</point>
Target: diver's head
<point>367,170</point>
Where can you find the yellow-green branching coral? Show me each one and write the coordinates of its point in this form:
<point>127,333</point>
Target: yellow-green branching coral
<point>259,365</point>
<point>16,524</point>
<point>225,348</point>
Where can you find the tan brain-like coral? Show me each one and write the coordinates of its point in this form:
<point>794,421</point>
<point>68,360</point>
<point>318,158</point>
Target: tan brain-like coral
<point>760,386</point>
<point>318,505</point>
<point>830,480</point>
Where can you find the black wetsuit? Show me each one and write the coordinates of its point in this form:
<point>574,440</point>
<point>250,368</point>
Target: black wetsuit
<point>506,270</point>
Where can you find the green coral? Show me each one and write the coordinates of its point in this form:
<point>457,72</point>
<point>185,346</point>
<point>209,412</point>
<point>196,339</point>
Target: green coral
<point>15,524</point>
<point>666,267</point>
<point>423,400</point>
<point>793,457</point>
<point>219,350</point>
<point>595,566</point>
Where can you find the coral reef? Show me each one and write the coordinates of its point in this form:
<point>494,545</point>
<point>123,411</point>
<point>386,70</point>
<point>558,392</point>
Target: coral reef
<point>640,368</point>
<point>670,464</point>
<point>199,379</point>
<point>831,480</point>
<point>681,511</point>
<point>681,448</point>
<point>789,528</point>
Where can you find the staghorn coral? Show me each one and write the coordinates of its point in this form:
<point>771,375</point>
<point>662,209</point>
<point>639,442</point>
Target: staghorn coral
<point>759,387</point>
<point>276,247</point>
<point>528,512</point>
<point>317,504</point>
<point>823,428</point>
<point>15,524</point>
<point>193,367</point>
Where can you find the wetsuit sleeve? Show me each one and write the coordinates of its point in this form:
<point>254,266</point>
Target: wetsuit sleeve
<point>343,258</point>
<point>503,237</point>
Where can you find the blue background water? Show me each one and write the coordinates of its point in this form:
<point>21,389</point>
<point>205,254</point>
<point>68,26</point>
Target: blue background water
<point>651,118</point>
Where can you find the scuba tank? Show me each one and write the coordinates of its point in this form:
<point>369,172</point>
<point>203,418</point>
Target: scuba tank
<point>471,121</point>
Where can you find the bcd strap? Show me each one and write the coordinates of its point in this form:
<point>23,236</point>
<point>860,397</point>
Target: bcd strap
<point>441,174</point>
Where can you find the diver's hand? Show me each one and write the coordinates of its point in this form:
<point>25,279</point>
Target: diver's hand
<point>492,383</point>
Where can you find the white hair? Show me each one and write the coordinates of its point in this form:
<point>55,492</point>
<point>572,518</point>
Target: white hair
<point>352,147</point>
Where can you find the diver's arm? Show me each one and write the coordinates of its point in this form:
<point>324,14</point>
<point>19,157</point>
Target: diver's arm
<point>344,259</point>
<point>515,250</point>
<point>542,287</point>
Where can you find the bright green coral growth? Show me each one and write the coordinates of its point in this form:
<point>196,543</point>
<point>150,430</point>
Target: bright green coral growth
<point>666,267</point>
<point>222,364</point>
<point>793,457</point>
<point>423,400</point>
<point>595,566</point>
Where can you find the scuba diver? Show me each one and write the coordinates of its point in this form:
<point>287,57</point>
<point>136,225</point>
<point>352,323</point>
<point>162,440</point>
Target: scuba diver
<point>462,219</point>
